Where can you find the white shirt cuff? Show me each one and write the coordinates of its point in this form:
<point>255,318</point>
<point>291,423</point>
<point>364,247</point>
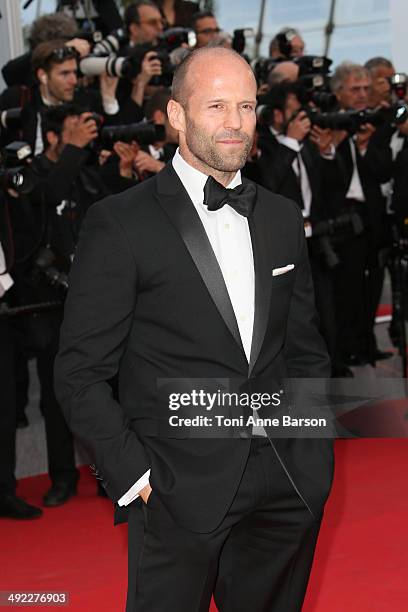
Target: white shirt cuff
<point>134,490</point>
<point>330,155</point>
<point>110,105</point>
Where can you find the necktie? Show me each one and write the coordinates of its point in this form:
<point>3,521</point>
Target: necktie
<point>241,198</point>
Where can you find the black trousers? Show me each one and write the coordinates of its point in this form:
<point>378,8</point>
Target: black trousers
<point>258,559</point>
<point>8,411</point>
<point>60,441</point>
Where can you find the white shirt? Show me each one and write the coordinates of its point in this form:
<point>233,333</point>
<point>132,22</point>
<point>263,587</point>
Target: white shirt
<point>5,279</point>
<point>387,189</point>
<point>355,190</point>
<point>228,233</point>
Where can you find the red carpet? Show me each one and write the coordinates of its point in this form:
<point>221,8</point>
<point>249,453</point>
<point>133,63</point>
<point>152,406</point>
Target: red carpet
<point>384,310</point>
<point>361,561</point>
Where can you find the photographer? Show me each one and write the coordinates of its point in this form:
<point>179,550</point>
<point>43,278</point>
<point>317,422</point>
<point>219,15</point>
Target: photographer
<point>67,182</point>
<point>144,24</point>
<point>206,28</point>
<point>11,506</point>
<point>55,68</point>
<point>380,70</point>
<point>56,26</point>
<point>365,158</point>
<point>152,158</point>
<point>292,161</point>
<point>286,44</point>
<point>290,150</point>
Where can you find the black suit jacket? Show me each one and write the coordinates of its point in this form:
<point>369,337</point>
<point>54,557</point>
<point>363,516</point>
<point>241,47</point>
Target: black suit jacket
<point>147,300</point>
<point>374,168</point>
<point>276,172</point>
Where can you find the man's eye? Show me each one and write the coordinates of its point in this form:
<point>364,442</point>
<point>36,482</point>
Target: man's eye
<point>216,106</point>
<point>248,107</point>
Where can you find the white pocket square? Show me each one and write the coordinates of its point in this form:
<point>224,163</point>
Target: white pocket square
<point>277,271</point>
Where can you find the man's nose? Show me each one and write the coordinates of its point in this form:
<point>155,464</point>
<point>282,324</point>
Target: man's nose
<point>233,119</point>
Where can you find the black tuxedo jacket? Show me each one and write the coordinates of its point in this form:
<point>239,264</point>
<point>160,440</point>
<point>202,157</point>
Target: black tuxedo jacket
<point>276,172</point>
<point>147,300</point>
<point>374,168</point>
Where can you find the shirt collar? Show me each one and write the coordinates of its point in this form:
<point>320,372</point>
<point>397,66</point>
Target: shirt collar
<point>194,180</point>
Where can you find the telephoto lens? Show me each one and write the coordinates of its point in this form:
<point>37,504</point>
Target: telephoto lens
<point>144,133</point>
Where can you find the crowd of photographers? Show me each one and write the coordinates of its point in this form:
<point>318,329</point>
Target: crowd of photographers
<point>85,116</point>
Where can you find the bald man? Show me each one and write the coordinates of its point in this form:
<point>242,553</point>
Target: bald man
<point>198,280</point>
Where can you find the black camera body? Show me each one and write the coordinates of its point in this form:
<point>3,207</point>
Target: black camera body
<point>314,81</point>
<point>351,121</point>
<point>262,67</point>
<point>170,41</point>
<point>15,172</point>
<point>105,56</point>
<point>144,133</point>
<point>10,119</point>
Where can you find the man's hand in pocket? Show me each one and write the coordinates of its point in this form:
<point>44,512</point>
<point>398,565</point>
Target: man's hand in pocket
<point>145,493</point>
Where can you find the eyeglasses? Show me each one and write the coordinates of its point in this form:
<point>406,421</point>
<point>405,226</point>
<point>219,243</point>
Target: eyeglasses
<point>153,22</point>
<point>63,53</point>
<point>209,31</point>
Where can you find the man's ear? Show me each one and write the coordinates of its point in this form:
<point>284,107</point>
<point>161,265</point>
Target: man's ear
<point>52,139</point>
<point>42,76</point>
<point>277,117</point>
<point>176,115</point>
<point>159,117</point>
<point>133,30</point>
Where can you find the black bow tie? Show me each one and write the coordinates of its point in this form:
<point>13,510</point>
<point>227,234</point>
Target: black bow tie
<point>241,198</point>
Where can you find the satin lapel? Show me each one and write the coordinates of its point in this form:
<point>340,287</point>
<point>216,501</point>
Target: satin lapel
<point>175,201</point>
<point>258,224</point>
<point>306,156</point>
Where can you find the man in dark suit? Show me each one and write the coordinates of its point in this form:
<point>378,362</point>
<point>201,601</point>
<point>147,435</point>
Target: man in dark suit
<point>366,161</point>
<point>180,279</point>
<point>294,160</point>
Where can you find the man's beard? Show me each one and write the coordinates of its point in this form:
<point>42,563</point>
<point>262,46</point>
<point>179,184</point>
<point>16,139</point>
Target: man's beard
<point>204,147</point>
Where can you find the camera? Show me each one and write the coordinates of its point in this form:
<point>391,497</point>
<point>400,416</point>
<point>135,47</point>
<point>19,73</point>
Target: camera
<point>15,174</point>
<point>123,67</point>
<point>262,67</point>
<point>314,81</point>
<point>172,38</point>
<point>330,231</point>
<point>10,119</point>
<point>44,266</point>
<point>351,121</point>
<point>170,43</point>
<point>239,39</point>
<point>104,58</point>
<point>398,83</point>
<point>144,133</point>
<point>111,44</point>
<point>284,40</point>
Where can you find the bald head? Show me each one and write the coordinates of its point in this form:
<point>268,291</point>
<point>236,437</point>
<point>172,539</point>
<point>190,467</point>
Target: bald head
<point>284,71</point>
<point>201,62</point>
<point>213,110</point>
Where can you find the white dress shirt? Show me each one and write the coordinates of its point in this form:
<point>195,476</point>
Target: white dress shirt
<point>5,279</point>
<point>228,233</point>
<point>355,190</point>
